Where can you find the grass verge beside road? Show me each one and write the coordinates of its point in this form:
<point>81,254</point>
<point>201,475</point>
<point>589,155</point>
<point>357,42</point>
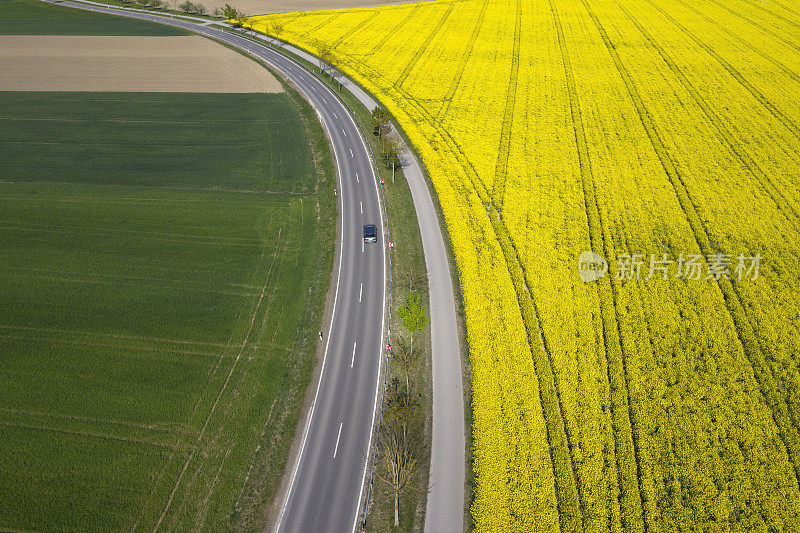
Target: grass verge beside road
<point>408,273</point>
<point>412,513</point>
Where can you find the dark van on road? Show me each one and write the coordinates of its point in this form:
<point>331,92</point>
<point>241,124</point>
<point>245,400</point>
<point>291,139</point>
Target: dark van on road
<point>370,233</point>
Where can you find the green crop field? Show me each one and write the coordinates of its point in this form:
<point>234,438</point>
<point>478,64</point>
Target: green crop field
<point>163,259</point>
<point>33,17</point>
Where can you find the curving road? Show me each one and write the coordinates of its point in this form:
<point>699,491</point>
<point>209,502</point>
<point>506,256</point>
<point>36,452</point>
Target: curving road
<point>445,512</point>
<point>327,480</point>
<point>331,467</point>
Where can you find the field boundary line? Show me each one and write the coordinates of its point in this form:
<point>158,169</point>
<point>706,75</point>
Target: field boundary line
<point>200,398</point>
<point>255,346</point>
<point>774,14</point>
<point>117,282</point>
<point>90,434</point>
<point>191,481</point>
<point>38,479</point>
<point>177,188</point>
<point>780,3</point>
<point>258,242</point>
<point>568,495</point>
<point>325,21</point>
<point>752,22</point>
<point>361,26</point>
<point>204,506</point>
<point>253,462</point>
<point>88,419</point>
<point>134,278</point>
<point>186,145</point>
<point>95,120</point>
<point>746,44</point>
<point>133,235</point>
<point>396,28</point>
<point>116,336</point>
<point>269,344</point>
<point>116,346</point>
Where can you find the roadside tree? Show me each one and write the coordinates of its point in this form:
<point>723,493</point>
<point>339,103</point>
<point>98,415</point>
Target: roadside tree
<point>399,444</point>
<point>412,316</point>
<point>234,15</point>
<point>390,146</point>
<point>381,120</point>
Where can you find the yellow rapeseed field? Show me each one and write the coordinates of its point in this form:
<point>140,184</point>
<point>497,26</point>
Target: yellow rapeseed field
<point>664,136</point>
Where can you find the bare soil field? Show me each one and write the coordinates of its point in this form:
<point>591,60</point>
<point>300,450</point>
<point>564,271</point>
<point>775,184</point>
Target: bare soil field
<point>127,64</point>
<point>265,7</point>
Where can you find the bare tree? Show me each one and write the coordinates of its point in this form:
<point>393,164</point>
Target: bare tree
<point>404,358</point>
<point>323,52</point>
<point>327,61</point>
<point>336,75</point>
<point>381,120</point>
<point>399,444</point>
<point>268,33</point>
<point>277,29</point>
<point>390,145</point>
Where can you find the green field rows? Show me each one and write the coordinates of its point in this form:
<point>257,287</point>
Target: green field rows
<point>164,139</point>
<point>33,17</point>
<point>163,260</point>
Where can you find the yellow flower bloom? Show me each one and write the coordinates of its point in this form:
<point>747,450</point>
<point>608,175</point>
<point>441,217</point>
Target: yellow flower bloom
<point>550,127</point>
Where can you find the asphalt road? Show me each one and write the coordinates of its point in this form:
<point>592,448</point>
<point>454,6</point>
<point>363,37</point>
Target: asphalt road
<point>445,511</point>
<point>328,479</point>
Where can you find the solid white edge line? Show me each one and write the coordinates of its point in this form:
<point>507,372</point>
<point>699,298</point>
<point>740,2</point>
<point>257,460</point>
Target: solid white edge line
<point>338,279</point>
<point>330,328</point>
<point>353,359</point>
<point>383,322</point>
<point>383,317</point>
<point>333,312</point>
<point>336,449</point>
